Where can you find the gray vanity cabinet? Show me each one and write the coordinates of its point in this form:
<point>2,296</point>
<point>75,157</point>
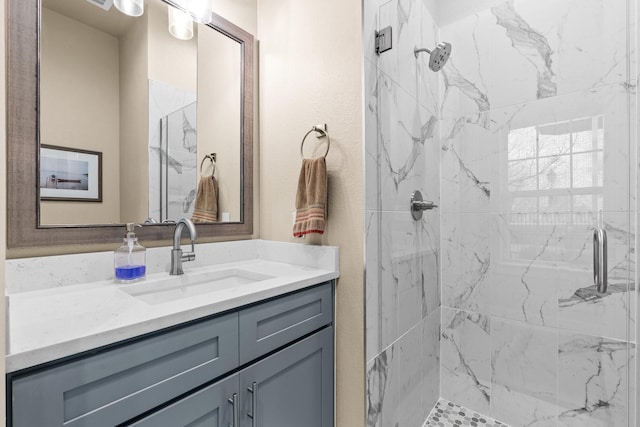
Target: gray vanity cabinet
<point>265,365</point>
<point>291,388</point>
<point>119,384</point>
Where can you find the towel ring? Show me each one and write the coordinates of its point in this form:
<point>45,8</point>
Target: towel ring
<point>211,157</point>
<point>322,130</point>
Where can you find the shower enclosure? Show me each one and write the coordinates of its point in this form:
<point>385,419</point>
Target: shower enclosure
<point>172,152</point>
<point>526,140</point>
<point>178,174</point>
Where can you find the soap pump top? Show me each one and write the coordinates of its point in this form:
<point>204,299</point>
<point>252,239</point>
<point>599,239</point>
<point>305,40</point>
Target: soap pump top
<point>130,258</point>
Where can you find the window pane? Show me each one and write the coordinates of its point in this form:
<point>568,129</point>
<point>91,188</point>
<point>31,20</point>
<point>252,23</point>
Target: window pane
<point>554,139</point>
<point>587,169</point>
<point>583,141</point>
<point>522,175</point>
<point>522,143</point>
<point>554,172</point>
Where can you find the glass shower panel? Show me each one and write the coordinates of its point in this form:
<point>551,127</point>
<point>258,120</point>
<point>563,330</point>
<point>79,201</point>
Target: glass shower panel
<point>564,169</point>
<point>179,174</point>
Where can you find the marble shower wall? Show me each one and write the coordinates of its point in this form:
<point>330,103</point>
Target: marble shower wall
<point>402,255</point>
<point>535,131</point>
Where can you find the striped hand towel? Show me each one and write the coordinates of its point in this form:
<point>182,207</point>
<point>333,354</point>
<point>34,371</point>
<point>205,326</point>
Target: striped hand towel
<point>311,198</point>
<point>206,207</point>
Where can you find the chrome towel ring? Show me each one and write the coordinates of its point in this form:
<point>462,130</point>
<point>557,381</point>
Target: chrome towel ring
<point>322,130</point>
<point>212,157</point>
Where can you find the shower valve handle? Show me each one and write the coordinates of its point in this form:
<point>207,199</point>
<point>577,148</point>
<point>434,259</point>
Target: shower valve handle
<point>418,205</point>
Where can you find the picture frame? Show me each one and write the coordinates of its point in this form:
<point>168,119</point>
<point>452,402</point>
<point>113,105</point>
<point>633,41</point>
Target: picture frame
<point>70,174</point>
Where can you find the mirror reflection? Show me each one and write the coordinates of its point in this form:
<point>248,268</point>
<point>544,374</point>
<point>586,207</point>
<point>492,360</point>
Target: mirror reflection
<point>162,112</point>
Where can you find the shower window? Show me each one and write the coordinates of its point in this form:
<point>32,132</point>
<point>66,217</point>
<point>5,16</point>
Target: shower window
<point>554,184</point>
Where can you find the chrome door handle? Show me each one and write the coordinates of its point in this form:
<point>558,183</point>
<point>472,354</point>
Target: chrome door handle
<point>600,260</point>
<point>236,410</point>
<point>254,404</point>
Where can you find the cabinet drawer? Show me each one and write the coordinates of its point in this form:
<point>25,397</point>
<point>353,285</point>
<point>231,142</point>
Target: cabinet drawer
<point>119,384</point>
<point>268,326</point>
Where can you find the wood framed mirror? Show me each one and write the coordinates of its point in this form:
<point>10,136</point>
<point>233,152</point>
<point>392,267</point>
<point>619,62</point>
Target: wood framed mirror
<point>28,225</point>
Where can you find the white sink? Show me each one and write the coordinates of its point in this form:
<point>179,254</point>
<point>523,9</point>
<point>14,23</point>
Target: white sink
<point>192,284</point>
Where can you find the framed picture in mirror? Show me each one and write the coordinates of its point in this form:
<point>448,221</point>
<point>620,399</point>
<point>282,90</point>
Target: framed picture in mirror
<point>70,174</point>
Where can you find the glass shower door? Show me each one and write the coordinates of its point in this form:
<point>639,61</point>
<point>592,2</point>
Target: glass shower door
<point>178,164</point>
<point>561,345</point>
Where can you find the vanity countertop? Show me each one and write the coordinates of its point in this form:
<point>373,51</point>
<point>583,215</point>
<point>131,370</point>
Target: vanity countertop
<point>52,322</point>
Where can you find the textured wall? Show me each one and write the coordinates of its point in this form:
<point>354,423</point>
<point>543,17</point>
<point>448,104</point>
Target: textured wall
<point>402,255</point>
<point>80,70</point>
<point>310,72</point>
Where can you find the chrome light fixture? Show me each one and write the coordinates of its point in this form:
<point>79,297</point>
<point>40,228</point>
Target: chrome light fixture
<point>180,23</point>
<point>199,10</point>
<point>130,7</point>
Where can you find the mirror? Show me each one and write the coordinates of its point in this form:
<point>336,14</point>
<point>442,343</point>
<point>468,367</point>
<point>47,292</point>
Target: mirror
<point>155,107</point>
<point>130,121</point>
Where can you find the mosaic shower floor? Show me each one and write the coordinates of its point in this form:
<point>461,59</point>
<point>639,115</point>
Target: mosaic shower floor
<point>447,414</point>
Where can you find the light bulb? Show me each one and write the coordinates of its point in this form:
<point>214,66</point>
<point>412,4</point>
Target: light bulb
<point>130,7</point>
<point>200,10</point>
<point>180,24</point>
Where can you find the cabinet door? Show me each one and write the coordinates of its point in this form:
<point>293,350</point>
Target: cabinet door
<point>212,406</point>
<point>291,388</point>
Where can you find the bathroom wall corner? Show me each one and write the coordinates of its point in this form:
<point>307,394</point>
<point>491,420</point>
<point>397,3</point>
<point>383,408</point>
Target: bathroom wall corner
<point>3,206</point>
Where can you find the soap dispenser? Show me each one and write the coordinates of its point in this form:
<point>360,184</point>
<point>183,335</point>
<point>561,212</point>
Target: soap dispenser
<point>130,259</point>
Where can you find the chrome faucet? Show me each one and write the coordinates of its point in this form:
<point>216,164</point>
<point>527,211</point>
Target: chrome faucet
<point>177,257</point>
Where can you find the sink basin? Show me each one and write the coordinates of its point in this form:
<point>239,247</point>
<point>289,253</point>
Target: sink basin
<point>192,284</point>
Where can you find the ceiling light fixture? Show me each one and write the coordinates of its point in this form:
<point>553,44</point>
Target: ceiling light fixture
<point>130,7</point>
<point>199,10</point>
<point>180,24</point>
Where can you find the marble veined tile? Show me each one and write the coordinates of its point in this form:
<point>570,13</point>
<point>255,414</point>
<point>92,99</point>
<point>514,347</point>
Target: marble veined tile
<point>397,378</point>
<point>568,153</point>
<point>412,249</point>
<point>380,390</point>
<point>412,26</point>
<point>468,158</point>
<point>164,99</point>
<point>524,373</point>
<point>372,134</point>
<point>581,307</point>
<point>542,273</point>
<point>381,288</point>
<point>408,410</point>
<point>403,283</point>
<point>373,301</point>
<point>464,88</point>
<point>465,355</point>
<point>430,357</point>
<point>593,381</point>
<point>408,147</point>
<point>466,261</point>
<point>523,50</point>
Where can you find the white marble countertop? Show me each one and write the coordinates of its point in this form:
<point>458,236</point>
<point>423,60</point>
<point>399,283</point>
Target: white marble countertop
<point>63,319</point>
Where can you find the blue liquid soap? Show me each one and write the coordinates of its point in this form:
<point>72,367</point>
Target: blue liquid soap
<point>130,272</point>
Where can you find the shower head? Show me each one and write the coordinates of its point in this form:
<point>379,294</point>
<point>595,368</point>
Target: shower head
<point>438,56</point>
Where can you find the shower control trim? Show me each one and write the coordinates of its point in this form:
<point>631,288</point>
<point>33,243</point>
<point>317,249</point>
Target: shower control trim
<point>418,204</point>
<point>600,260</point>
